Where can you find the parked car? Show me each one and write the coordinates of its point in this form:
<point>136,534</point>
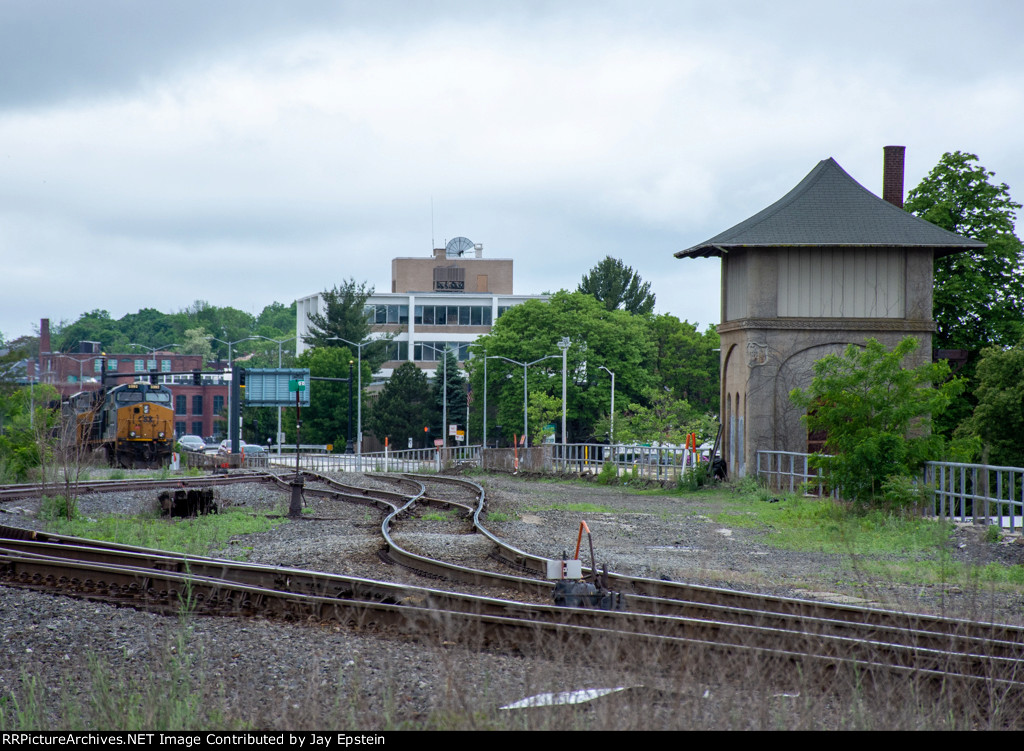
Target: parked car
<point>192,443</point>
<point>253,449</point>
<point>249,449</point>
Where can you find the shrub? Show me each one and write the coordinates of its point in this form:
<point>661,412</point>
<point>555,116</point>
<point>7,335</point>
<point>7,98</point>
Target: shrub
<point>58,507</point>
<point>696,477</point>
<point>609,474</point>
<point>904,493</point>
<point>877,416</point>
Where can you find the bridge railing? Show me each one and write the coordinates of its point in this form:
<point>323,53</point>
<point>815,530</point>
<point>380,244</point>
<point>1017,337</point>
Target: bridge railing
<point>407,460</point>
<point>977,492</point>
<point>658,463</point>
<point>960,492</point>
<point>791,471</point>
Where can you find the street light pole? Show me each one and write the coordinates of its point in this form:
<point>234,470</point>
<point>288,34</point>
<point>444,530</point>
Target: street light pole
<point>348,446</point>
<point>485,401</point>
<point>525,365</point>
<point>359,403</point>
<point>153,350</point>
<point>444,391</point>
<point>233,427</point>
<point>444,400</point>
<point>564,346</point>
<point>611,423</point>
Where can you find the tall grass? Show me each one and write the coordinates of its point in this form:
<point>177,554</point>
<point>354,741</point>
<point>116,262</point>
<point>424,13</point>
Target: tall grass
<point>196,536</point>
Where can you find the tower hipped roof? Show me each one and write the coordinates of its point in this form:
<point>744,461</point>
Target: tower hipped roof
<point>828,208</point>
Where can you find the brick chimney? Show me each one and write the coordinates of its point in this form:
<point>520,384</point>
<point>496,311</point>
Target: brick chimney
<point>44,335</point>
<point>892,175</point>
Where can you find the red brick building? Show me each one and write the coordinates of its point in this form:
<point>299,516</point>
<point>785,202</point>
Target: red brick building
<point>198,410</point>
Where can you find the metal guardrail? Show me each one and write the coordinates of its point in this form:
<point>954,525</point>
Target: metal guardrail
<point>791,470</point>
<point>407,460</point>
<point>658,463</point>
<point>320,448</point>
<point>960,492</point>
<point>977,492</point>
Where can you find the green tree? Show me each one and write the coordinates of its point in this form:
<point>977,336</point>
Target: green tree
<point>598,337</point>
<point>979,296</point>
<point>344,315</point>
<point>456,393</point>
<point>688,362</point>
<point>405,406</point>
<point>27,425</point>
<point>151,328</point>
<point>876,414</point>
<point>326,418</point>
<point>277,321</point>
<point>664,419</point>
<point>617,286</point>
<point>227,324</point>
<point>543,410</point>
<point>194,342</point>
<point>998,420</point>
<point>95,326</point>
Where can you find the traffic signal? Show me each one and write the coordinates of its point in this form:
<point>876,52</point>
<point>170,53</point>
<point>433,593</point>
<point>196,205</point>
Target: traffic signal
<point>197,378</point>
<point>153,378</point>
<point>241,376</point>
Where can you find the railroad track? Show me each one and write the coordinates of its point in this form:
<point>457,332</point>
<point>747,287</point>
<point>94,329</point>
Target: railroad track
<point>31,490</point>
<point>670,626</point>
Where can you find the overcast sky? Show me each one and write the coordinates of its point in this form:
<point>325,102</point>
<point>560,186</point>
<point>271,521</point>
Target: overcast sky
<point>247,152</point>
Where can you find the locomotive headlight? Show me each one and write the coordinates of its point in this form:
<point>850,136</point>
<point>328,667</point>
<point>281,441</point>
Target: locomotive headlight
<point>131,434</point>
<point>145,409</point>
<point>160,434</point>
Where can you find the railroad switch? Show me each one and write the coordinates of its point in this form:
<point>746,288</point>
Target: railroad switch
<point>574,592</point>
<point>583,594</point>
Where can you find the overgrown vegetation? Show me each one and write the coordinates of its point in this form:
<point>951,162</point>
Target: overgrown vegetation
<point>197,536</point>
<point>877,416</point>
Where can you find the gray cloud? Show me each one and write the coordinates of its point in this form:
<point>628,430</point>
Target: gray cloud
<point>261,151</point>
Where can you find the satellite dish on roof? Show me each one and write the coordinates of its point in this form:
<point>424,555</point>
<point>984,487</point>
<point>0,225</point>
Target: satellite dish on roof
<point>457,246</point>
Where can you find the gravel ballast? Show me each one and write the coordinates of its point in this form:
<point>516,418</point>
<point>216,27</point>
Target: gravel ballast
<point>261,674</point>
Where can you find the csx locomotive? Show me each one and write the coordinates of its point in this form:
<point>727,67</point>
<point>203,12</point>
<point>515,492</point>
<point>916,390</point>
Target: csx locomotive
<point>133,423</point>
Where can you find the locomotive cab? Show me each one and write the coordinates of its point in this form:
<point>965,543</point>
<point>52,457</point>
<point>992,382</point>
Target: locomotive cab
<point>138,426</point>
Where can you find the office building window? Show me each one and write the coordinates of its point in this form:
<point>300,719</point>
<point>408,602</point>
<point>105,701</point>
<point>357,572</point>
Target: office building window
<point>218,404</point>
<point>165,366</point>
<point>434,351</point>
<point>387,314</point>
<point>453,315</point>
<point>140,366</point>
<point>179,429</point>
<point>180,402</point>
<point>197,427</point>
<point>197,404</point>
<point>397,350</point>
